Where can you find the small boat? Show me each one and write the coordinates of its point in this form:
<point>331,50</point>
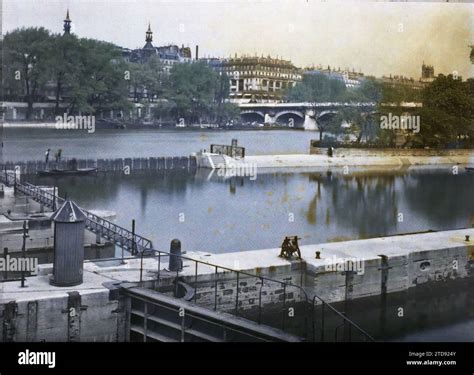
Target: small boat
<point>66,172</point>
<point>469,169</point>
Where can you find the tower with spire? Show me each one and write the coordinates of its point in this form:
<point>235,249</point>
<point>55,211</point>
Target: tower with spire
<point>67,24</point>
<point>148,38</point>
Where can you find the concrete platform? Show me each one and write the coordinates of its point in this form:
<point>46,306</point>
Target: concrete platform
<point>7,225</point>
<point>40,311</point>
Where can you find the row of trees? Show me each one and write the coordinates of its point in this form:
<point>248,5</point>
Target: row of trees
<point>91,77</point>
<point>197,93</point>
<point>190,92</point>
<point>446,118</point>
<point>38,64</point>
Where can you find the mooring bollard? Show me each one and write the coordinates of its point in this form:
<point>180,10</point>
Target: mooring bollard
<point>176,263</point>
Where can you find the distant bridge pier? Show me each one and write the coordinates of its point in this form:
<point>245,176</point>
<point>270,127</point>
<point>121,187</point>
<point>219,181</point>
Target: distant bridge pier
<point>269,119</point>
<point>310,120</point>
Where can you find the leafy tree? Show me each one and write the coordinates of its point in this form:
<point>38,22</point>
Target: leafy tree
<point>26,60</point>
<point>314,89</point>
<point>101,84</point>
<point>369,91</point>
<point>147,80</point>
<point>64,69</point>
<point>447,116</point>
<point>164,109</point>
<point>90,72</point>
<point>224,111</point>
<point>364,125</point>
<point>198,93</point>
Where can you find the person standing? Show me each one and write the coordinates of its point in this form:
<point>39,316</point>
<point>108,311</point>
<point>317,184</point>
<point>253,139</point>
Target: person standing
<point>60,151</point>
<point>46,156</point>
<point>330,151</point>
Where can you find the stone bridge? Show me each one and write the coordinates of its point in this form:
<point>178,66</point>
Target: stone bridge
<point>301,115</point>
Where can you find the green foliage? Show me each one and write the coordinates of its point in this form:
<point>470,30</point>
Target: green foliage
<point>26,62</point>
<point>89,71</point>
<point>148,78</point>
<point>198,93</point>
<point>63,67</point>
<point>399,94</point>
<point>101,84</point>
<point>447,116</point>
<point>317,88</point>
<point>363,125</point>
<point>369,91</point>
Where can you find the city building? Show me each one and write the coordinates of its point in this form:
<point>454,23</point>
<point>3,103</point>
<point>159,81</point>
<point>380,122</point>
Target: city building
<point>215,63</point>
<point>259,79</point>
<point>169,54</point>
<point>427,73</point>
<point>427,76</point>
<point>351,79</point>
<point>399,81</point>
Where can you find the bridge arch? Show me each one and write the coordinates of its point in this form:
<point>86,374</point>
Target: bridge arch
<point>293,117</point>
<point>252,115</point>
<point>326,115</point>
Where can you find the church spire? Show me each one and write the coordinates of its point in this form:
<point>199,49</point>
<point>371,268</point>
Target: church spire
<point>67,24</point>
<point>149,35</point>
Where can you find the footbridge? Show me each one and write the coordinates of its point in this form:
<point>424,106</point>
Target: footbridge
<point>123,238</point>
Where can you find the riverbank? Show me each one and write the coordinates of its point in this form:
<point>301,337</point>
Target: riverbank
<point>105,125</point>
<point>371,160</point>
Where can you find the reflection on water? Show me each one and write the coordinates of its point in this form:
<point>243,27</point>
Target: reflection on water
<point>440,311</point>
<point>236,214</point>
<point>431,312</point>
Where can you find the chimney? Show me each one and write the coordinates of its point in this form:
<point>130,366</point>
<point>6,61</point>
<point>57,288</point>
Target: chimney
<point>197,52</point>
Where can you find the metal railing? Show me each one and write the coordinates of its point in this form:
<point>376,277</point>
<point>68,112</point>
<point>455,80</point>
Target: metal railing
<point>189,321</point>
<point>235,152</point>
<point>306,324</point>
<point>240,276</point>
<point>349,327</point>
<point>120,236</point>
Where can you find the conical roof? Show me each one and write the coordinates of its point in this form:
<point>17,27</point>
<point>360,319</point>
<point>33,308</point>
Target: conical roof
<point>69,212</point>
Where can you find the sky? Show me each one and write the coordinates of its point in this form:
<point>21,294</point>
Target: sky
<point>375,37</point>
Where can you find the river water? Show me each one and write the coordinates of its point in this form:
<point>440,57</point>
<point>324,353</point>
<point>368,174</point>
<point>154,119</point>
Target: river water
<point>31,143</point>
<point>214,214</point>
<point>210,213</point>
